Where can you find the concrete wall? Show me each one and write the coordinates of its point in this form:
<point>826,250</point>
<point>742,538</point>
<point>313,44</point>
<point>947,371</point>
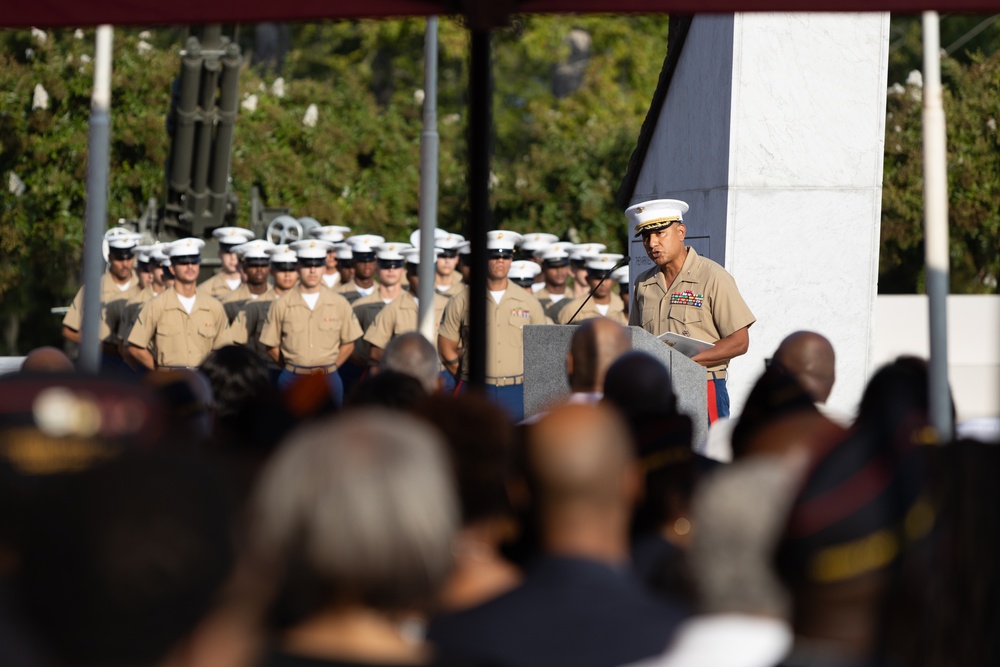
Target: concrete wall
<point>973,345</point>
<point>799,132</point>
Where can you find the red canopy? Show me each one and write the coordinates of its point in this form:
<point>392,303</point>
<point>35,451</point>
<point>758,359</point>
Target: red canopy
<point>54,13</point>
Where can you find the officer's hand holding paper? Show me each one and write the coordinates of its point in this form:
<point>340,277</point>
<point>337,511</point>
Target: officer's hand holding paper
<point>689,347</point>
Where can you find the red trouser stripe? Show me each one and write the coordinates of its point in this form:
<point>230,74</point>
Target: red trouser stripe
<point>458,388</point>
<point>713,405</point>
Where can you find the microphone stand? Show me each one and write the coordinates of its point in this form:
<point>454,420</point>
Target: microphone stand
<point>607,274</point>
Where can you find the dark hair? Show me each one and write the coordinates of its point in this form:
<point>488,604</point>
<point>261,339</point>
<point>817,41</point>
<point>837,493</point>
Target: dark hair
<point>480,443</point>
<point>238,375</point>
<point>387,389</point>
<point>122,561</point>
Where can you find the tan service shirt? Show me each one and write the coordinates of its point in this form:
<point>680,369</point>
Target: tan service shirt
<point>457,285</point>
<point>217,287</point>
<point>616,311</point>
<point>400,317</point>
<point>310,338</point>
<point>504,329</point>
<point>179,339</point>
<point>367,308</point>
<point>113,301</point>
<point>248,323</point>
<point>703,302</point>
<point>552,308</point>
<point>131,311</point>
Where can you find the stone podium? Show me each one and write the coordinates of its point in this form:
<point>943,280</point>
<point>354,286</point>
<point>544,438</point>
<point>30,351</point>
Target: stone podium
<point>545,382</point>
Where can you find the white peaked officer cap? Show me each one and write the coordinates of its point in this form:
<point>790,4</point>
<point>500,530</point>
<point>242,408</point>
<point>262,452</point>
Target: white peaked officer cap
<point>185,247</point>
<point>522,269</point>
<point>121,232</point>
<point>125,241</point>
<point>143,253</point>
<point>392,251</point>
<point>586,250</point>
<point>256,249</point>
<point>159,256</point>
<point>284,257</point>
<point>343,251</point>
<point>552,254</point>
<point>311,249</point>
<point>649,216</point>
<point>535,240</point>
<point>603,262</point>
<point>412,255</point>
<point>370,240</point>
<point>222,232</point>
<point>501,239</point>
<point>449,241</point>
<point>464,248</point>
<point>229,241</point>
<point>415,237</point>
<point>620,275</point>
<point>331,233</point>
<point>559,246</point>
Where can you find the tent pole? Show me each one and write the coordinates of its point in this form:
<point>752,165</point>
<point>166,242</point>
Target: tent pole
<point>480,122</point>
<point>936,227</point>
<point>97,202</point>
<point>428,185</point>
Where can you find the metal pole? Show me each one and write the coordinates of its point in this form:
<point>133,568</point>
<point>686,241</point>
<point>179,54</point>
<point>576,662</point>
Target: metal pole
<point>936,226</point>
<point>428,184</point>
<point>89,360</point>
<point>480,122</point>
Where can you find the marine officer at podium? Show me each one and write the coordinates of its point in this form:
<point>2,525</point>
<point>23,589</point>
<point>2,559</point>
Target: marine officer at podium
<point>689,295</point>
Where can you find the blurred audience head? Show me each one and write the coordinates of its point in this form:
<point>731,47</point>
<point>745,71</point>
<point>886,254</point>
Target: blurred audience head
<point>809,357</point>
<point>778,415</point>
<point>860,509</point>
<point>356,512</point>
<point>639,384</point>
<point>237,376</point>
<point>480,440</point>
<point>595,345</point>
<point>897,402</point>
<point>47,360</point>
<point>410,353</point>
<point>578,462</point>
<point>187,398</point>
<point>387,389</point>
<point>122,561</point>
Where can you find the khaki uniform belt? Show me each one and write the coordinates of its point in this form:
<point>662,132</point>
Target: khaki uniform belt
<point>716,375</point>
<point>311,370</point>
<point>505,380</point>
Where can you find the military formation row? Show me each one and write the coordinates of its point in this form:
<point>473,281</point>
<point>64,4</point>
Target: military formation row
<point>346,297</point>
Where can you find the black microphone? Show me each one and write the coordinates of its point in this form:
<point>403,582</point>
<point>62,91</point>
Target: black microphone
<point>621,262</point>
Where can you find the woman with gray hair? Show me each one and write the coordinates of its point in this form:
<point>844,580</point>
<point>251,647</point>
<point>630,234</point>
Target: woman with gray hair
<point>354,520</point>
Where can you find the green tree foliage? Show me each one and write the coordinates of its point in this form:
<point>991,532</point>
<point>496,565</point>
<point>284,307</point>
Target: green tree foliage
<point>41,228</point>
<point>557,165</point>
<point>972,105</point>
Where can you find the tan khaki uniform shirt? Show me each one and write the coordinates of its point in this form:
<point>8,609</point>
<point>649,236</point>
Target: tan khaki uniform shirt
<point>217,287</point>
<point>310,338</point>
<point>248,323</point>
<point>457,285</point>
<point>504,329</point>
<point>131,311</point>
<point>351,293</point>
<point>367,308</point>
<point>113,302</point>
<point>179,339</point>
<point>703,302</point>
<point>616,311</point>
<point>552,308</point>
<point>400,317</point>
